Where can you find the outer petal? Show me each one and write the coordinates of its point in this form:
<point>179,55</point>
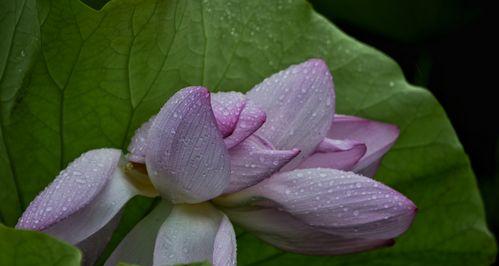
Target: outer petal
<point>98,213</point>
<point>227,107</point>
<point>254,160</point>
<point>86,175</point>
<point>299,104</point>
<point>138,245</point>
<point>251,119</point>
<point>137,147</point>
<point>82,205</point>
<point>336,154</point>
<point>333,201</point>
<point>186,157</point>
<point>194,233</point>
<point>225,246</point>
<point>378,137</point>
<point>288,233</point>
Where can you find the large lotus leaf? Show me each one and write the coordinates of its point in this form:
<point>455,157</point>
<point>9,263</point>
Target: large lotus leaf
<point>74,79</point>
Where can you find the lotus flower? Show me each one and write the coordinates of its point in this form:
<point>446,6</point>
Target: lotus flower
<point>277,161</point>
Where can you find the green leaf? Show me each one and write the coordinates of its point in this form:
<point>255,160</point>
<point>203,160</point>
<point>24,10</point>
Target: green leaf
<point>32,248</point>
<point>20,41</point>
<point>89,78</point>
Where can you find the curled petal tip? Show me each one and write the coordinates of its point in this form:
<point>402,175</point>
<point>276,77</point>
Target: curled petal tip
<point>318,62</point>
<point>227,107</point>
<point>414,209</point>
<point>195,91</point>
<point>261,117</point>
<point>294,152</point>
<point>251,118</point>
<point>199,89</point>
<point>408,204</point>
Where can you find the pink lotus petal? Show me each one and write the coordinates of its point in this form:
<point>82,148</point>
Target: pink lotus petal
<point>224,253</point>
<point>336,154</point>
<point>332,201</point>
<point>286,232</point>
<point>299,104</point>
<point>190,235</point>
<point>227,107</point>
<point>137,147</point>
<point>87,221</point>
<point>236,119</point>
<point>379,138</point>
<point>73,189</point>
<point>254,160</point>
<point>138,245</point>
<point>186,157</point>
<point>251,119</point>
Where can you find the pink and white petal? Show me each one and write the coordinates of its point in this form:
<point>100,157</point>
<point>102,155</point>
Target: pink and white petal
<point>98,213</point>
<point>286,232</point>
<point>225,247</point>
<point>379,138</point>
<point>73,189</point>
<point>332,201</point>
<point>186,157</point>
<point>138,245</point>
<point>188,235</point>
<point>336,154</point>
<point>137,147</point>
<point>254,160</point>
<point>333,145</point>
<point>299,103</point>
<point>227,107</point>
<point>250,120</point>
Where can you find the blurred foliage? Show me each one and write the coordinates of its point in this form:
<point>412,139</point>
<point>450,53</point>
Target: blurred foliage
<point>406,21</point>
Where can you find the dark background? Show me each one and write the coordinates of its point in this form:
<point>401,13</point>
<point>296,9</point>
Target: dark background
<point>443,45</point>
